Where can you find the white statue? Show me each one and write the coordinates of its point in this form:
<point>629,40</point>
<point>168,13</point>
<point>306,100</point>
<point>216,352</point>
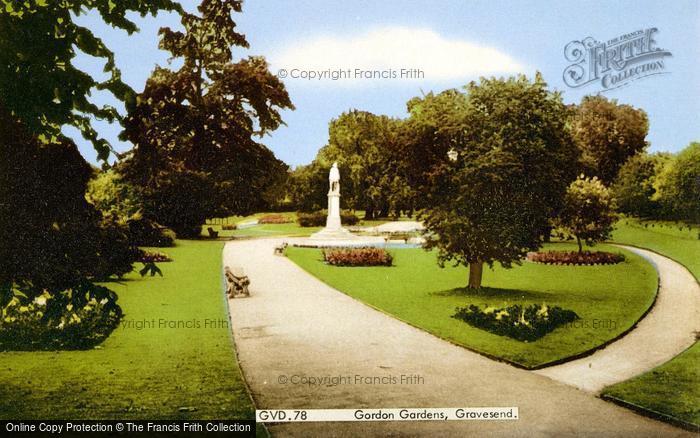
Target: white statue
<point>334,179</point>
<point>333,229</point>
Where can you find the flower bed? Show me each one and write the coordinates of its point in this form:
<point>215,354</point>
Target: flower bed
<point>575,258</point>
<point>357,257</point>
<point>77,318</point>
<point>274,219</point>
<point>522,323</point>
<point>153,257</point>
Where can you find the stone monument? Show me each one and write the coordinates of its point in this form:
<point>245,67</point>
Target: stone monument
<point>333,230</point>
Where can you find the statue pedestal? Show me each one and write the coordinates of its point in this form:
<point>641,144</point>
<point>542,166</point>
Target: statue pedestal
<point>333,230</point>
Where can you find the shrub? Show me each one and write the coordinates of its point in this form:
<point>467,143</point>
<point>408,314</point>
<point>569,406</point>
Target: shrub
<point>77,318</point>
<point>348,218</point>
<point>522,323</point>
<point>229,227</point>
<point>274,219</point>
<point>315,219</point>
<point>318,218</point>
<point>576,258</point>
<point>51,237</point>
<point>357,257</point>
<point>153,257</point>
<point>146,232</point>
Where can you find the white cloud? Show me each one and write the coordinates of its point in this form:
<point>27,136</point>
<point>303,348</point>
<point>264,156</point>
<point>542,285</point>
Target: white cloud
<point>396,48</point>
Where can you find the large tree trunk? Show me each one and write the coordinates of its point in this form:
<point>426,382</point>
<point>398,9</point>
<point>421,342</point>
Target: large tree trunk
<point>580,247</point>
<point>369,213</point>
<point>384,212</point>
<point>476,269</point>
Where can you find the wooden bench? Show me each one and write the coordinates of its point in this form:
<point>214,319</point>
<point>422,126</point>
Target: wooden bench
<point>212,232</point>
<point>279,249</point>
<point>236,282</point>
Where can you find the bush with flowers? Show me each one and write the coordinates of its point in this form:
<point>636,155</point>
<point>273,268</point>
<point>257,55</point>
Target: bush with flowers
<point>524,323</point>
<point>77,318</point>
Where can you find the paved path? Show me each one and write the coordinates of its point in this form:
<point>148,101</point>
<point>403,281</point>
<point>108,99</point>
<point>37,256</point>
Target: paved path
<point>295,325</point>
<point>666,331</point>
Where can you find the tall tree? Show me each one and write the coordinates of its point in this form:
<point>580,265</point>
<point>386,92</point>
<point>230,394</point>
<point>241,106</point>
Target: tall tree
<point>40,85</point>
<point>366,147</point>
<point>608,134</point>
<point>499,158</point>
<point>678,184</point>
<point>634,188</point>
<point>198,124</point>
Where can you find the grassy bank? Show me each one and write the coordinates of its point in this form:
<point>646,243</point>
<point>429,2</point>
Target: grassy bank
<point>609,299</point>
<point>171,358</point>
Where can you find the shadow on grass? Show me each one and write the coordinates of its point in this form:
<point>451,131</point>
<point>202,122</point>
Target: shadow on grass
<point>493,292</point>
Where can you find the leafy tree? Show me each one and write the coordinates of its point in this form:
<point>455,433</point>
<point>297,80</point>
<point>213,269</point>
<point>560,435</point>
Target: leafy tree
<point>511,162</point>
<point>366,147</point>
<point>308,186</point>
<point>608,134</point>
<point>50,236</point>
<point>39,83</point>
<point>634,188</point>
<point>115,198</point>
<point>430,132</point>
<point>678,184</point>
<point>589,211</point>
<point>198,124</point>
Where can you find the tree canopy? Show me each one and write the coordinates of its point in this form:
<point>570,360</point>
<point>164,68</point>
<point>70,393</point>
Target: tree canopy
<point>608,134</point>
<point>634,188</point>
<point>678,185</point>
<point>40,85</point>
<point>510,164</point>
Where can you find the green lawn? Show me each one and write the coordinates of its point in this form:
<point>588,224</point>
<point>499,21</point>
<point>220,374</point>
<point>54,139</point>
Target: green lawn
<point>664,238</point>
<point>154,372</point>
<point>609,299</point>
<point>673,388</point>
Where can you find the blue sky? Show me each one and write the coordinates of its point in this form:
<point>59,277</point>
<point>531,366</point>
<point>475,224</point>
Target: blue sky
<point>453,42</point>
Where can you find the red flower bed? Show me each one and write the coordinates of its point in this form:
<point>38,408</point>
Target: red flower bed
<point>357,257</point>
<point>153,257</point>
<point>575,258</point>
<point>274,219</point>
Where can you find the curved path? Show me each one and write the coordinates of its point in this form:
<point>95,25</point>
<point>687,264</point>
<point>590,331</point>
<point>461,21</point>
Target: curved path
<point>295,325</point>
<point>667,330</point>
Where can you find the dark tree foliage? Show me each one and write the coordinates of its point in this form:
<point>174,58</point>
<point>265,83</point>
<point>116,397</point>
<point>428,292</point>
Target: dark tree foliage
<point>634,188</point>
<point>199,123</point>
<point>308,186</point>
<point>511,162</point>
<point>50,236</point>
<point>678,185</point>
<point>39,83</point>
<point>371,161</point>
<point>608,134</point>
